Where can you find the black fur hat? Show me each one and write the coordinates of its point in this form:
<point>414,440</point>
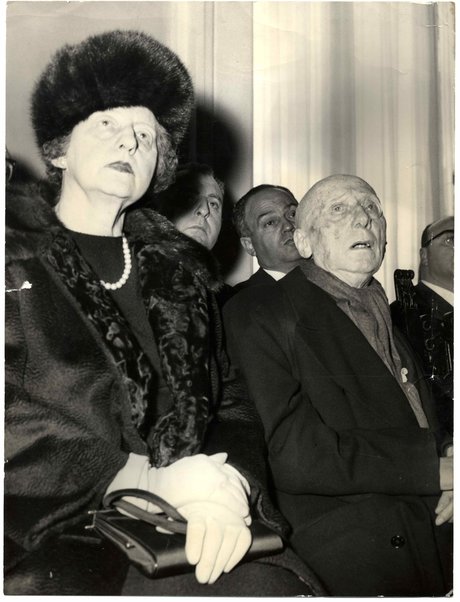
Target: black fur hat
<point>109,70</point>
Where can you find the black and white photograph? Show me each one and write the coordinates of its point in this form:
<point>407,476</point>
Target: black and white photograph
<point>229,298</point>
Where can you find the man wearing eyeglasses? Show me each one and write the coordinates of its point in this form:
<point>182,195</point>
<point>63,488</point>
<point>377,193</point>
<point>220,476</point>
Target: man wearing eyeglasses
<point>429,325</point>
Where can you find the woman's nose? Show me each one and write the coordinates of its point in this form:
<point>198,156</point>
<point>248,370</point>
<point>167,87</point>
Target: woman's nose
<point>128,140</point>
<point>202,208</point>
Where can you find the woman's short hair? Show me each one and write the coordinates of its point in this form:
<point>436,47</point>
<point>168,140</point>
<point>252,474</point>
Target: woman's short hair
<point>164,172</point>
<point>181,196</point>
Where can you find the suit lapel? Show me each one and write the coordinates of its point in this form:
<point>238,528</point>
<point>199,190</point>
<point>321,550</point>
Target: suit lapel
<point>344,352</point>
<point>431,299</point>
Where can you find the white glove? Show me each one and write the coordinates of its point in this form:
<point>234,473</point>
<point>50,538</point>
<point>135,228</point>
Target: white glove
<point>192,479</point>
<point>216,540</point>
<point>445,508</point>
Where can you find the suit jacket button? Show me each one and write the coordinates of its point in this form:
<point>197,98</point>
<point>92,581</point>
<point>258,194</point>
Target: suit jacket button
<point>397,541</point>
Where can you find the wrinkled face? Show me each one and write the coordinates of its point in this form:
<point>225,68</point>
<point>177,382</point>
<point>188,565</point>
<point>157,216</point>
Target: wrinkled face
<point>204,220</point>
<point>347,231</point>
<point>112,153</point>
<point>270,217</point>
<point>439,260</point>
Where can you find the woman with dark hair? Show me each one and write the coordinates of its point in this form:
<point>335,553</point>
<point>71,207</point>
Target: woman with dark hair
<point>113,372</point>
<point>194,203</point>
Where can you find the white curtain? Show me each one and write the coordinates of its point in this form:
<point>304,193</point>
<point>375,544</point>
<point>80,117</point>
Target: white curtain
<point>300,90</point>
<point>365,89</point>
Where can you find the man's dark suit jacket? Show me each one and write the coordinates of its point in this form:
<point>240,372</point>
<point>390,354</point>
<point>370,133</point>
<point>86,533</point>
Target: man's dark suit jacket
<point>259,277</point>
<point>429,329</point>
<point>354,474</point>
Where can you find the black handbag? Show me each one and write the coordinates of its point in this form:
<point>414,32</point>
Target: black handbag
<point>159,554</point>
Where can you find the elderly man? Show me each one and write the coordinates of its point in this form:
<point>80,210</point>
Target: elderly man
<point>264,219</point>
<point>359,468</point>
<point>427,320</point>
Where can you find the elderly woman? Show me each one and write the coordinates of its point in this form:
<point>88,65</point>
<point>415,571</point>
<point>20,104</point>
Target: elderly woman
<point>113,377</point>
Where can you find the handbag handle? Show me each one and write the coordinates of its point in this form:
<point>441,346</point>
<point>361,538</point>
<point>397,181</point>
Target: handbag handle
<point>170,519</point>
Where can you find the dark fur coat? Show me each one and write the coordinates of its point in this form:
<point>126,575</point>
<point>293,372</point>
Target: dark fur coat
<point>78,386</point>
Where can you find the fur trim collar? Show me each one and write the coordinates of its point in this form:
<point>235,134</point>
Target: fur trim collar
<point>31,225</point>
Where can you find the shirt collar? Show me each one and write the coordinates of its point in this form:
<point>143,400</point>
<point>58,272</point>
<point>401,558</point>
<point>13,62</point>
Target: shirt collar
<point>275,274</point>
<point>442,292</point>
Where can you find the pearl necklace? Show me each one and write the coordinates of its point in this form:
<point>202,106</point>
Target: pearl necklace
<point>126,272</point>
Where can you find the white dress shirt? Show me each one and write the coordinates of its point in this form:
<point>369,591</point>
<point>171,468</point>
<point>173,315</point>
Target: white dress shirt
<point>275,274</point>
<point>442,292</point>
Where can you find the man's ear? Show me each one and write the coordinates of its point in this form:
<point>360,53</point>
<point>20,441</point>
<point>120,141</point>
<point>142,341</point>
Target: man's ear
<point>423,257</point>
<point>302,243</point>
<point>247,245</point>
<point>60,162</point>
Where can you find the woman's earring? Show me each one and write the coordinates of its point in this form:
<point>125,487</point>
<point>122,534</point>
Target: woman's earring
<point>59,162</point>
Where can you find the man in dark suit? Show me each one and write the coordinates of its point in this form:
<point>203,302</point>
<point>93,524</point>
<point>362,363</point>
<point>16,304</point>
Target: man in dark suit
<point>427,318</point>
<point>359,467</point>
<point>264,219</point>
